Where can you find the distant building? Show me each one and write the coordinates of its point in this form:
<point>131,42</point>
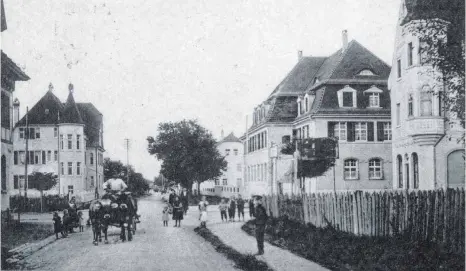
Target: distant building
<point>232,178</point>
<point>426,151</point>
<point>10,74</point>
<point>344,95</point>
<point>66,139</point>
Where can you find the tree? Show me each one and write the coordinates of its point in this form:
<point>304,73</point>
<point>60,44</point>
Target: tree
<point>440,27</point>
<point>42,181</point>
<point>137,183</point>
<point>188,152</point>
<point>114,168</point>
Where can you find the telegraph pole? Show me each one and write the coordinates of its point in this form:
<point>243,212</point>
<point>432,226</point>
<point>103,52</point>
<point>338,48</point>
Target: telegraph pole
<point>127,160</point>
<point>26,134</point>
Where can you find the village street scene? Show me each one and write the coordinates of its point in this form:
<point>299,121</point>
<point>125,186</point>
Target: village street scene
<point>233,135</point>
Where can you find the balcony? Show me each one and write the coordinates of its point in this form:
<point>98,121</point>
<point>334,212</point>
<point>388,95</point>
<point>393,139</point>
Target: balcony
<point>426,130</point>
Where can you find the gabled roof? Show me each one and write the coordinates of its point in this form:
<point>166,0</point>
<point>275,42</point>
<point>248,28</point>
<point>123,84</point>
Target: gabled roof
<point>71,113</point>
<point>38,113</point>
<point>10,69</point>
<point>230,138</point>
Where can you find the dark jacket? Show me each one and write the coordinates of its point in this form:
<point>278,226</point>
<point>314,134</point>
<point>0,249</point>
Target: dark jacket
<point>261,215</point>
<point>240,204</point>
<point>232,205</point>
<point>184,199</point>
<point>171,199</point>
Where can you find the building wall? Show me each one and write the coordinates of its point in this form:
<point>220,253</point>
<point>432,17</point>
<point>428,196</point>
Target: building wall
<point>234,159</point>
<point>7,147</point>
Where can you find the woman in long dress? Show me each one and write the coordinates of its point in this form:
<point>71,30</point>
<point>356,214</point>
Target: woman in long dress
<point>177,211</point>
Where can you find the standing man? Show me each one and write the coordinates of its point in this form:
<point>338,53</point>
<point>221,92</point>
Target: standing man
<point>185,200</point>
<point>251,207</point>
<point>240,206</point>
<point>171,197</point>
<point>261,220</point>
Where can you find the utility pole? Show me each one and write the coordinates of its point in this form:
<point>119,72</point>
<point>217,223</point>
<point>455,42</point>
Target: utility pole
<point>26,134</point>
<point>127,160</point>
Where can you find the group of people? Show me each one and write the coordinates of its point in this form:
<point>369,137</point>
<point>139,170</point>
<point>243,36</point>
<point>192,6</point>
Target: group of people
<point>65,226</point>
<point>177,206</point>
<point>230,206</point>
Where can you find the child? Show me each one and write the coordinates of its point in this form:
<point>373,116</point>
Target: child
<point>177,211</point>
<point>232,209</point>
<point>165,215</point>
<point>81,221</point>
<point>66,221</point>
<point>203,210</point>
<point>57,226</point>
<point>223,209</point>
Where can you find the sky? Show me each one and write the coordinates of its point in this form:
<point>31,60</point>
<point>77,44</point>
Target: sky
<point>144,62</point>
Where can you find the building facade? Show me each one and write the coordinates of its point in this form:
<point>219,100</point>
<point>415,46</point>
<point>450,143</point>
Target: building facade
<point>11,73</point>
<point>231,179</point>
<point>427,152</point>
<point>344,95</point>
<point>66,139</point>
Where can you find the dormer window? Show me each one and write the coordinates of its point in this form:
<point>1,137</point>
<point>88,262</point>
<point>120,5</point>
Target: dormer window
<point>366,72</point>
<point>374,96</point>
<point>300,106</point>
<point>347,97</point>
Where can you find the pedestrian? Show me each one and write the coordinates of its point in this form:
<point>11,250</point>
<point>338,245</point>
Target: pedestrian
<point>165,215</point>
<point>251,208</point>
<point>261,220</point>
<point>81,221</point>
<point>223,209</point>
<point>171,197</point>
<point>240,206</point>
<point>203,211</point>
<point>185,200</point>
<point>66,221</point>
<point>177,211</point>
<point>57,225</point>
<point>232,209</point>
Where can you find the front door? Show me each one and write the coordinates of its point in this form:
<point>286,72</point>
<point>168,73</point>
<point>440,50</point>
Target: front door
<point>455,165</point>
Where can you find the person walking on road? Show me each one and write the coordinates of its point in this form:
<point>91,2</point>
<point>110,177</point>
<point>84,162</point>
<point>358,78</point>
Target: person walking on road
<point>177,211</point>
<point>251,208</point>
<point>165,215</point>
<point>261,220</point>
<point>203,210</point>
<point>240,206</point>
<point>185,200</point>
<point>81,221</point>
<point>232,208</point>
<point>171,197</point>
<point>57,225</point>
<point>223,209</point>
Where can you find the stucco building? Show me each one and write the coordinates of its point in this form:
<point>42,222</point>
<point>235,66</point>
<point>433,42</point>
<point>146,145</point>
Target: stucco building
<point>11,73</point>
<point>63,138</point>
<point>426,151</point>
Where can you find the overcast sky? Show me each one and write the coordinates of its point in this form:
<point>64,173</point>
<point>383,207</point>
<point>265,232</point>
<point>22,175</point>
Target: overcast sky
<point>146,62</point>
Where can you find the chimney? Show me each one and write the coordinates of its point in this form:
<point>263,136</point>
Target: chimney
<point>344,37</point>
<point>15,111</point>
<point>300,55</point>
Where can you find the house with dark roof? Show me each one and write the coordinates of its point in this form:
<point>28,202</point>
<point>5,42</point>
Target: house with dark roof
<point>11,73</point>
<point>427,150</point>
<point>231,180</point>
<point>343,95</point>
<point>63,138</point>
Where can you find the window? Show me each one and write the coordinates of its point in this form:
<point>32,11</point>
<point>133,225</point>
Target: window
<point>62,168</point>
<point>55,132</point>
<point>235,151</point>
<point>347,99</point>
<point>410,54</point>
<point>21,181</point>
<point>227,152</point>
<point>387,131</point>
<point>92,181</point>
<point>70,142</point>
<point>415,171</point>
<point>410,106</point>
<point>398,68</point>
<point>70,168</point>
<point>21,133</point>
<point>61,142</point>
<point>4,179</point>
<point>306,104</point>
<point>426,103</point>
<point>217,182</point>
<point>15,157</point>
<point>78,140</point>
<point>55,155</point>
<point>37,130</point>
<point>361,131</point>
<point>49,156</point>
<point>399,166</point>
<point>36,157</point>
<point>374,99</point>
<point>78,168</point>
<point>22,157</point>
<point>15,182</point>
<point>44,160</point>
<point>366,73</point>
<point>375,169</point>
<point>224,182</point>
<point>70,189</point>
<point>397,114</point>
<point>91,158</point>
<point>239,167</point>
<point>301,107</point>
<point>340,130</point>
<point>351,169</point>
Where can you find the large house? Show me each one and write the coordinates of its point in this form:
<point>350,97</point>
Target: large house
<point>10,74</point>
<point>232,178</point>
<point>344,95</point>
<point>427,152</point>
<point>63,138</point>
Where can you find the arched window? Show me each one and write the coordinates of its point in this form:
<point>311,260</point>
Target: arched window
<point>375,169</point>
<point>3,173</point>
<point>426,101</point>
<point>415,170</point>
<point>351,169</point>
<point>366,72</point>
<point>399,165</point>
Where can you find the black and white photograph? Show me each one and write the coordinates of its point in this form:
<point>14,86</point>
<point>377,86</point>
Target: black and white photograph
<point>232,135</point>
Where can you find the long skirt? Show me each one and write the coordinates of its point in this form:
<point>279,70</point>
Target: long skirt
<point>178,214</point>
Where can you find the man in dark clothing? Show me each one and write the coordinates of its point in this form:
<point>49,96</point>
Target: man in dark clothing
<point>171,197</point>
<point>240,206</point>
<point>261,220</point>
<point>251,208</point>
<point>184,200</point>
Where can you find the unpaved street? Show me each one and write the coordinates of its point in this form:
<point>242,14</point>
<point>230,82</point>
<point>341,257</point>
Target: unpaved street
<point>154,247</point>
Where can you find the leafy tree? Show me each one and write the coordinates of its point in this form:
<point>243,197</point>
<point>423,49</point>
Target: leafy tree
<point>137,183</point>
<point>188,152</point>
<point>42,182</point>
<point>440,27</point>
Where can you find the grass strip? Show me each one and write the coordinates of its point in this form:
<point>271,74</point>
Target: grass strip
<point>246,262</point>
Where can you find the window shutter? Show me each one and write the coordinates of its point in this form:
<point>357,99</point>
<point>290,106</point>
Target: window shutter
<point>364,100</point>
<point>370,131</point>
<point>331,129</point>
<point>351,131</point>
<point>379,131</point>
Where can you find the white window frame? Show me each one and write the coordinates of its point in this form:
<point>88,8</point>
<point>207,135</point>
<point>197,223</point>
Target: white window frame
<point>78,142</point>
<point>340,129</point>
<point>70,189</point>
<point>21,133</point>
<point>69,141</point>
<point>347,89</point>
<point>375,169</point>
<point>374,99</point>
<point>55,132</point>
<point>360,129</point>
<point>351,168</point>
<point>78,168</point>
<point>70,168</point>
<point>387,131</point>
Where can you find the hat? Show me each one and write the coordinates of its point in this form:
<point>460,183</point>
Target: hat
<point>258,197</point>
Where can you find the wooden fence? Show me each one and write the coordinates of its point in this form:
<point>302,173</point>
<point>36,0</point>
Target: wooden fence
<point>436,215</point>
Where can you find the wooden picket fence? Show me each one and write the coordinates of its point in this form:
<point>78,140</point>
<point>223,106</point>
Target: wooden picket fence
<point>436,215</point>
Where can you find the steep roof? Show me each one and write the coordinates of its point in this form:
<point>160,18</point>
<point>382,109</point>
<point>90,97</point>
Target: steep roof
<point>3,17</point>
<point>93,120</point>
<point>45,111</point>
<point>71,113</point>
<point>284,109</point>
<point>432,9</point>
<point>10,69</point>
<point>230,138</point>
